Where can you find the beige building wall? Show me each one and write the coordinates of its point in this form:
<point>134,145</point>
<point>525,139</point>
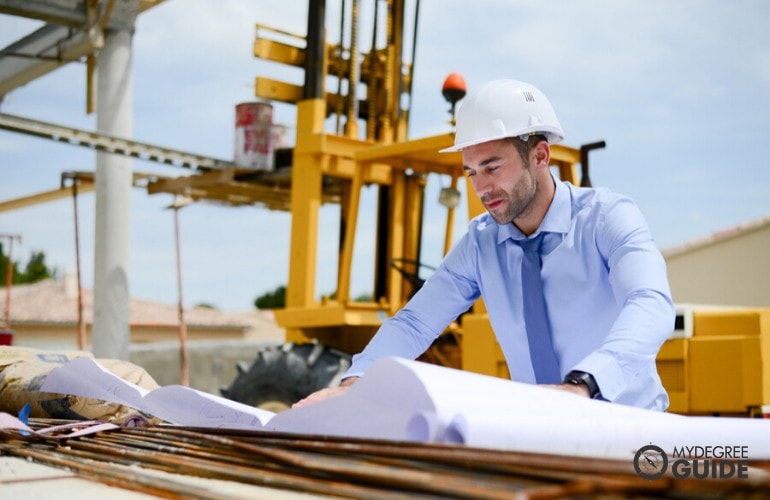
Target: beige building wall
<point>43,315</point>
<point>44,318</point>
<point>727,268</point>
<point>51,336</point>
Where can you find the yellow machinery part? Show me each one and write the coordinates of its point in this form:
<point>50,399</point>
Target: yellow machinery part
<point>719,370</point>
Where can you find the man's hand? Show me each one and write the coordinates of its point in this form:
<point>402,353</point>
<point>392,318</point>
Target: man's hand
<point>326,393</point>
<point>579,389</point>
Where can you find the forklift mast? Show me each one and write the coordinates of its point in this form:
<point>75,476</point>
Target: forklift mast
<point>345,142</point>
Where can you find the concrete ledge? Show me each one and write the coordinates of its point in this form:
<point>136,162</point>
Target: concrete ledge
<point>211,364</point>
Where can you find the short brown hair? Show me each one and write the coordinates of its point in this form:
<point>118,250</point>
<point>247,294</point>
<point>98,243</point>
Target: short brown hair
<point>524,147</point>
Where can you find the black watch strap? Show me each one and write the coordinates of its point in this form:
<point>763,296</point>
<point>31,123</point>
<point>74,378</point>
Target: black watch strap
<point>577,377</point>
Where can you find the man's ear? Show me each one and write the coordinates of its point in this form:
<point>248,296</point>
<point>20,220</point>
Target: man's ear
<point>541,154</point>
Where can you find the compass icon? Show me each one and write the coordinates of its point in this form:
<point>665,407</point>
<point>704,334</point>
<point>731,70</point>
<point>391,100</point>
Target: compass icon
<point>650,461</point>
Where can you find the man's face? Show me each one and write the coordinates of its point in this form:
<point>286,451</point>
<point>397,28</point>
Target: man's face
<point>503,181</point>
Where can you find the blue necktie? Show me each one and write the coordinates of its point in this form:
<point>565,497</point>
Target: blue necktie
<point>536,314</point>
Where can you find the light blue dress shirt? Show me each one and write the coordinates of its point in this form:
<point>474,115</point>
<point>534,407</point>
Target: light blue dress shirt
<point>604,282</point>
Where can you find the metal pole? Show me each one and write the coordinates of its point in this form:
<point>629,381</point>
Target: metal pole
<point>9,277</point>
<point>372,89</point>
<point>412,64</point>
<point>340,70</point>
<point>314,52</point>
<point>351,124</point>
<point>184,374</point>
<point>81,322</point>
<point>585,181</point>
<point>8,283</point>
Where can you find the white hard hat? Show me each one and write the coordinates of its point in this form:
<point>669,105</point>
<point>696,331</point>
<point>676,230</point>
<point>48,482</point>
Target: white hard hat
<point>504,108</point>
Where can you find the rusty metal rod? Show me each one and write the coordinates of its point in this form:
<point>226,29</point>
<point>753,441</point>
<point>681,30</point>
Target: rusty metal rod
<point>176,459</point>
<point>396,476</point>
<point>110,474</point>
<point>81,320</point>
<point>9,278</point>
<point>350,467</point>
<point>362,469</point>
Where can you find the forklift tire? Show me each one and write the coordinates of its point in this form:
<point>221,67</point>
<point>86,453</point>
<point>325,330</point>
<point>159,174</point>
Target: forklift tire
<point>282,375</point>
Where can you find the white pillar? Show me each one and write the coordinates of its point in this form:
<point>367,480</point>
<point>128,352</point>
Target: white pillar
<point>113,191</point>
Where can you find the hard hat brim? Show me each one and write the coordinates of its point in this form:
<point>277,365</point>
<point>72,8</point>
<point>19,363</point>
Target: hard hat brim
<point>553,137</point>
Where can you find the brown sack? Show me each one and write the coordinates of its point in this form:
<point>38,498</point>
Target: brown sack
<point>23,371</point>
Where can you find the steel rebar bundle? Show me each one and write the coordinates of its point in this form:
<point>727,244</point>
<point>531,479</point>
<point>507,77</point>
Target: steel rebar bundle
<point>133,458</point>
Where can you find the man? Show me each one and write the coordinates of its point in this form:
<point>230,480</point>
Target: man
<point>608,307</point>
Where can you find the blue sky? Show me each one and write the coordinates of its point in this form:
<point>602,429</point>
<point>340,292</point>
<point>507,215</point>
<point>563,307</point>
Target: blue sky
<point>680,91</point>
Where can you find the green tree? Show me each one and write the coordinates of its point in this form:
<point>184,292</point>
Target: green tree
<point>35,270</point>
<point>272,300</point>
<point>364,297</point>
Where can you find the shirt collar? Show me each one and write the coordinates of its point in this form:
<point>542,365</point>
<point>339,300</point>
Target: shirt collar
<point>556,220</point>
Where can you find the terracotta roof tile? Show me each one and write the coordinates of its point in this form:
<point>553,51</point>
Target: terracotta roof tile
<point>55,302</point>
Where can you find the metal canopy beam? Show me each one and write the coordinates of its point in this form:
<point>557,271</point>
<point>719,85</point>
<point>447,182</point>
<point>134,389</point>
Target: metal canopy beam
<point>63,12</point>
<point>221,180</point>
<point>73,13</point>
<point>43,51</point>
<point>69,35</point>
<point>111,144</point>
<point>44,197</point>
<point>85,182</point>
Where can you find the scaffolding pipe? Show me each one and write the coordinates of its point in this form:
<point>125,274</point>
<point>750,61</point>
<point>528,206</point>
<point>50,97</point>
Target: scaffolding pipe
<point>81,321</point>
<point>184,372</point>
<point>9,277</point>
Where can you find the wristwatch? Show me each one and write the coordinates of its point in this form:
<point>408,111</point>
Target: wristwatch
<point>577,377</point>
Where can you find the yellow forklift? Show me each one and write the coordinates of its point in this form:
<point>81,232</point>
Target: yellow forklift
<point>346,144</point>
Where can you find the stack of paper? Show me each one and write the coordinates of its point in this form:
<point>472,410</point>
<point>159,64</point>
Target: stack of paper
<point>407,400</point>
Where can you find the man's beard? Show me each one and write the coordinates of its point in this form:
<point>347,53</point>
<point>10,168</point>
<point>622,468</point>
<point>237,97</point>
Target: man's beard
<point>515,202</point>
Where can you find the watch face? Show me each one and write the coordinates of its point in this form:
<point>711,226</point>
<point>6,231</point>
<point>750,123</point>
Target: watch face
<point>650,461</point>
<point>585,379</point>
